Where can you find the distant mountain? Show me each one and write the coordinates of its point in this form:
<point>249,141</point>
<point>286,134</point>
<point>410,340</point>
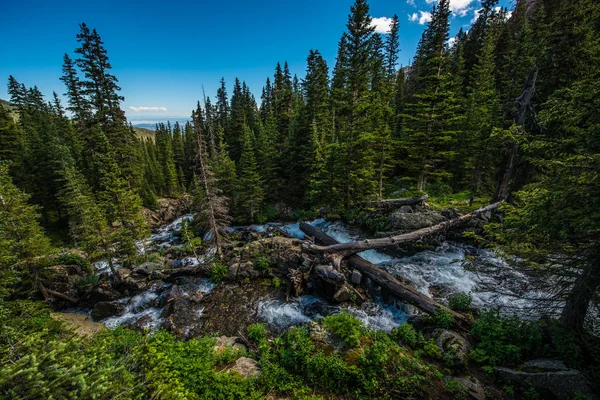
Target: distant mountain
<point>150,122</point>
<point>11,110</point>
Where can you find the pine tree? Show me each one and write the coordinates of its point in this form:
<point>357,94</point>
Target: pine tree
<point>21,237</point>
<point>251,194</point>
<point>392,47</point>
<point>222,105</point>
<point>78,104</point>
<point>432,113</point>
<point>213,206</point>
<point>483,115</point>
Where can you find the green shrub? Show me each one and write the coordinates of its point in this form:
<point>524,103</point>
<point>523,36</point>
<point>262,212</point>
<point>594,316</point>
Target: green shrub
<point>218,272</point>
<point>406,334</point>
<point>86,280</point>
<point>460,302</point>
<point>276,282</point>
<point>432,349</point>
<point>443,319</point>
<point>504,341</point>
<point>262,263</point>
<point>347,327</point>
<point>72,259</point>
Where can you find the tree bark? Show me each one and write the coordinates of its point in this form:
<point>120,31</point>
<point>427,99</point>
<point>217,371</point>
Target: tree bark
<point>368,244</point>
<point>522,103</point>
<point>388,281</point>
<point>578,302</point>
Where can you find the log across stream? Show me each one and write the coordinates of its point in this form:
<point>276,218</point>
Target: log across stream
<point>437,273</point>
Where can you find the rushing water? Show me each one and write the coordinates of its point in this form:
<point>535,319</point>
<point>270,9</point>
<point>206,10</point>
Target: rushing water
<point>439,272</point>
<point>493,284</point>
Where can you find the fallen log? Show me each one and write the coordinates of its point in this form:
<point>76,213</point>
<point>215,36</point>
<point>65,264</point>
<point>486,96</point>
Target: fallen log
<point>346,249</point>
<point>327,273</point>
<point>388,281</point>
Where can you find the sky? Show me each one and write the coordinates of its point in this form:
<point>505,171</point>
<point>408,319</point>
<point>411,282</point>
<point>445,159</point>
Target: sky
<point>165,53</point>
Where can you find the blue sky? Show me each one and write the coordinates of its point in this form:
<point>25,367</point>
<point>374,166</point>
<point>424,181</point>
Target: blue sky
<point>164,52</point>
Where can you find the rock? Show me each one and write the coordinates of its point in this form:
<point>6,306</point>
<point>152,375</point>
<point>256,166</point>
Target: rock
<point>356,277</point>
<point>407,222</point>
<point>148,268</point>
<point>405,209</point>
<point>105,309</point>
<point>450,213</point>
<point>453,344</point>
<point>123,273</point>
<point>563,384</point>
<point>318,333</point>
<point>544,365</point>
<point>473,386</point>
<point>103,292</point>
<point>183,317</point>
<point>224,342</point>
<point>342,295</point>
<point>81,324</point>
<point>246,367</point>
<point>169,210</point>
<point>246,270</point>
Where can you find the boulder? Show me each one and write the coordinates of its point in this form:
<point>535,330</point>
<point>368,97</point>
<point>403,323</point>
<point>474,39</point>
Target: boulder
<point>562,384</point>
<point>183,317</point>
<point>105,309</point>
<point>472,386</point>
<point>246,367</point>
<point>453,345</point>
<point>225,342</point>
<point>148,268</point>
<point>168,210</point>
<point>103,292</point>
<point>356,277</point>
<point>342,295</point>
<point>406,222</point>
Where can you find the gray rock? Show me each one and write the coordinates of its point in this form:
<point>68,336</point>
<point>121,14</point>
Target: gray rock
<point>147,268</point>
<point>246,270</point>
<point>406,222</point>
<point>564,384</point>
<point>224,342</point>
<point>105,309</point>
<point>183,317</point>
<point>453,344</point>
<point>356,277</point>
<point>405,209</point>
<point>342,295</point>
<point>473,387</point>
<point>246,367</point>
<point>545,365</point>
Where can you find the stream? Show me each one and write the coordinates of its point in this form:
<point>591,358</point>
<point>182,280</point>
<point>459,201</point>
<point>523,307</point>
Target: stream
<point>439,273</point>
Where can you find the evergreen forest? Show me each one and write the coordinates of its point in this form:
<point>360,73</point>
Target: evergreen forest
<point>502,120</point>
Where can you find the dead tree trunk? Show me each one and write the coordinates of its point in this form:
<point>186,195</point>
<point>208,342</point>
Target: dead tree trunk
<point>388,281</point>
<point>347,249</point>
<point>523,103</point>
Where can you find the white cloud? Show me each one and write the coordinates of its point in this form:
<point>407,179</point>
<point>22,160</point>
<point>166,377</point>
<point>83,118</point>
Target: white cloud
<point>142,108</point>
<point>411,2</point>
<point>423,17</point>
<point>451,42</point>
<point>381,24</point>
<point>458,7</point>
<point>475,16</point>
